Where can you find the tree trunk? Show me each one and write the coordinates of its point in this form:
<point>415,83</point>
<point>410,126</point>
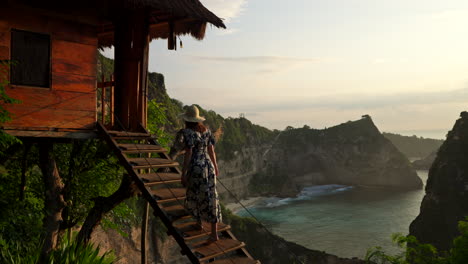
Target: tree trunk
<point>54,202</point>
<point>103,205</point>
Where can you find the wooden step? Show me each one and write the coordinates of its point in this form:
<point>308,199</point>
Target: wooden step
<point>145,163</point>
<point>159,178</point>
<point>193,231</point>
<point>184,225</point>
<point>209,249</point>
<point>176,212</point>
<point>236,260</point>
<point>165,195</point>
<point>128,135</point>
<point>141,148</point>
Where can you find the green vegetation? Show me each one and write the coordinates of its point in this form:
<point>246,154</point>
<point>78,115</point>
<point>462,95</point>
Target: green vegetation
<point>414,146</point>
<point>5,139</point>
<point>158,123</point>
<point>105,67</point>
<point>418,253</point>
<point>69,251</point>
<point>88,170</point>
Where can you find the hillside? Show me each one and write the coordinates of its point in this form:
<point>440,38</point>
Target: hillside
<point>414,147</point>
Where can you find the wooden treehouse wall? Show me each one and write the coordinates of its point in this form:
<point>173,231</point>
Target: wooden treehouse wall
<point>70,101</point>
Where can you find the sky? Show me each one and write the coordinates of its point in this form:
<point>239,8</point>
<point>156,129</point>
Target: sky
<point>324,62</point>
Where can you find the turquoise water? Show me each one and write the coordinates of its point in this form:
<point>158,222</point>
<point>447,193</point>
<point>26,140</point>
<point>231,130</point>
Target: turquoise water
<point>341,220</point>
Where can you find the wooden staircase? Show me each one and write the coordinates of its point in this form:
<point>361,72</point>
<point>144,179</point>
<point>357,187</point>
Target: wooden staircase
<point>159,180</point>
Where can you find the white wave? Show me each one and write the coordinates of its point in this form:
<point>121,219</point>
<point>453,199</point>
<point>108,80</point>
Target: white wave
<point>307,193</point>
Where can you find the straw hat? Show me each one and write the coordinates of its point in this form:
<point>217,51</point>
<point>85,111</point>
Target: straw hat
<point>192,114</point>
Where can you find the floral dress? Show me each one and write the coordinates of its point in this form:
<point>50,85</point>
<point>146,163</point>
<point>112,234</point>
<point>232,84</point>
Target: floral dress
<point>202,200</point>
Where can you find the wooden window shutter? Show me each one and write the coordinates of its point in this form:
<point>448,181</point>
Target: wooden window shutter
<point>30,54</point>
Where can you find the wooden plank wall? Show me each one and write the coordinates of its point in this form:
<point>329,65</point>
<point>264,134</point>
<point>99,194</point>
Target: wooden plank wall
<point>70,102</point>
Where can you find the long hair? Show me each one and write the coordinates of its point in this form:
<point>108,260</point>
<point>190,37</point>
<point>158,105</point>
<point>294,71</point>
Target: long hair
<point>196,126</point>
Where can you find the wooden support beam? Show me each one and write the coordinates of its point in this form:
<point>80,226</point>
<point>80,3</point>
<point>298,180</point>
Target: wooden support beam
<point>103,102</point>
<point>111,101</point>
<point>144,233</point>
<point>131,67</point>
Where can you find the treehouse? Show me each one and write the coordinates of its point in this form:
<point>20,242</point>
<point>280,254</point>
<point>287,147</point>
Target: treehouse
<point>53,46</point>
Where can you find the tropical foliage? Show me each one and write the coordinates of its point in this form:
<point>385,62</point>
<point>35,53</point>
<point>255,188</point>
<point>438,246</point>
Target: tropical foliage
<point>418,253</point>
<point>69,252</point>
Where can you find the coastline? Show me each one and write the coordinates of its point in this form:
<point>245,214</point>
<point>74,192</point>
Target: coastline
<point>235,207</point>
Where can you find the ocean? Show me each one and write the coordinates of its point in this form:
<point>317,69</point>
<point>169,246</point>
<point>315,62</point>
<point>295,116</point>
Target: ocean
<point>342,220</point>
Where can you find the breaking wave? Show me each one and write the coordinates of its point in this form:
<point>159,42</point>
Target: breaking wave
<point>307,193</point>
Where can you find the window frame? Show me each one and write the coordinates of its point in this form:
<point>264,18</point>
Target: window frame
<point>49,79</point>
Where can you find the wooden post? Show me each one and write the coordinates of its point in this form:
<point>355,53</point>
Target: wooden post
<point>103,101</point>
<point>131,41</point>
<point>144,233</point>
<point>111,101</point>
<point>171,40</point>
<point>143,96</point>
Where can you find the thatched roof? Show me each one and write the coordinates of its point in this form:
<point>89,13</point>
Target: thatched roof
<point>188,16</point>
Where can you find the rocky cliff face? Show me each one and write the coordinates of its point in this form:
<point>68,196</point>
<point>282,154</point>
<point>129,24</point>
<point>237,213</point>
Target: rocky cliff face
<point>237,172</point>
<point>272,249</point>
<point>353,153</point>
<point>425,163</point>
<point>446,199</point>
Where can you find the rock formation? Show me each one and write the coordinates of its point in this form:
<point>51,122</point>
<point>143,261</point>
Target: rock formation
<point>353,153</point>
<point>425,163</point>
<point>446,199</point>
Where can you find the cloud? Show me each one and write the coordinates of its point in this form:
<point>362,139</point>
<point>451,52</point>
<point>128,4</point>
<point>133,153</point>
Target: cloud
<point>257,59</point>
<point>262,64</point>
<point>226,9</point>
<point>354,101</point>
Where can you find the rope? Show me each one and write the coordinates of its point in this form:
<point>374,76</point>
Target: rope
<point>260,223</point>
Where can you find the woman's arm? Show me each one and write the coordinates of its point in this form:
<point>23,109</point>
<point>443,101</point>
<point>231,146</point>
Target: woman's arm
<point>187,157</point>
<point>212,154</point>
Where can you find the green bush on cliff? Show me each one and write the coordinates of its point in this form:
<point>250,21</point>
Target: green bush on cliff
<point>69,252</point>
<point>418,253</point>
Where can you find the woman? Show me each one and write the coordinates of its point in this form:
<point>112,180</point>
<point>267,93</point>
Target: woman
<point>199,170</point>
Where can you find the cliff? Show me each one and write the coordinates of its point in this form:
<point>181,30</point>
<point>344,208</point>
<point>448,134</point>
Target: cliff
<point>446,199</point>
<point>414,147</point>
<point>353,153</point>
<point>425,163</point>
<point>264,245</point>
